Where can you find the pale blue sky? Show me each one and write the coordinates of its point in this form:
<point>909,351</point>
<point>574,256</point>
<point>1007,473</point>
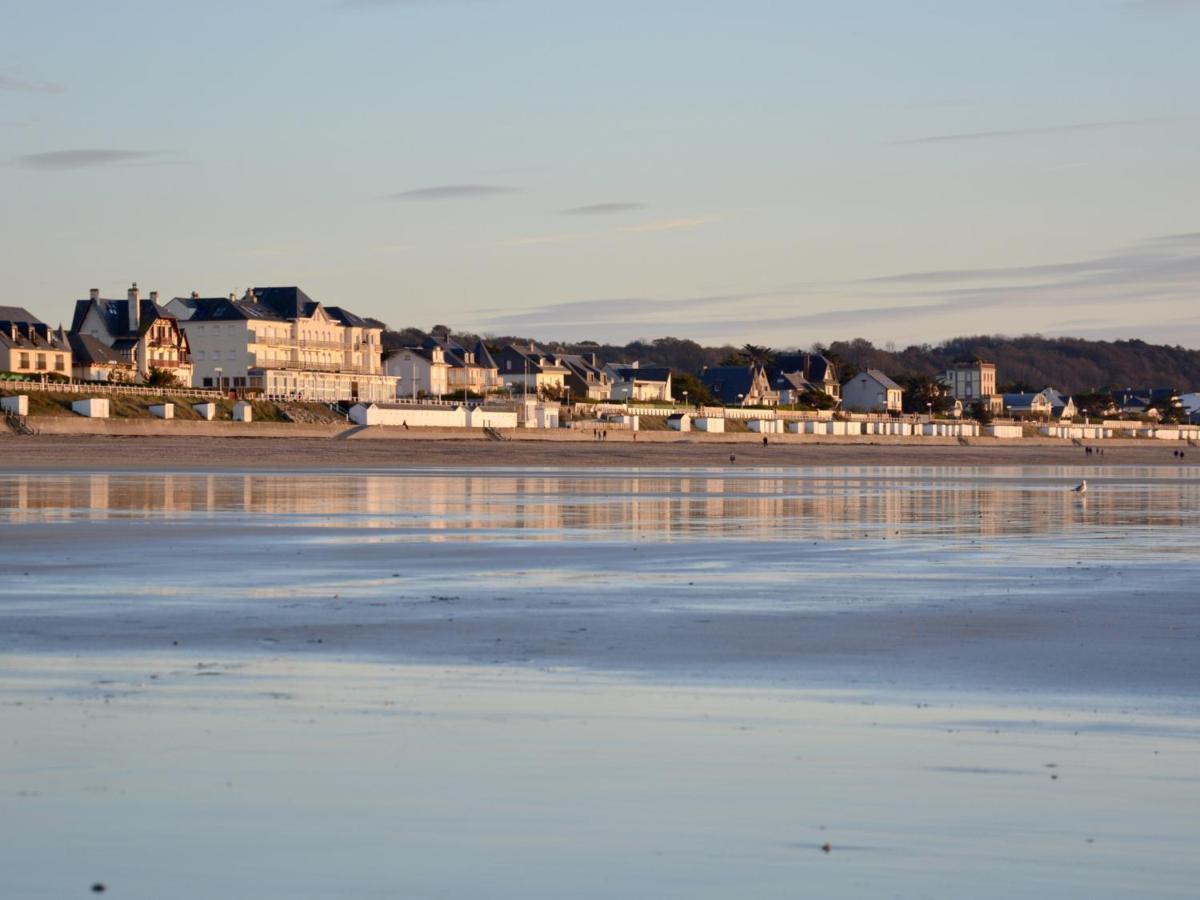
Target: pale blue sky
<point>777,172</point>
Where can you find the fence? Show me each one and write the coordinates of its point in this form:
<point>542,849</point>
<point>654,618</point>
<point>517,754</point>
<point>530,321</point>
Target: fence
<point>112,390</point>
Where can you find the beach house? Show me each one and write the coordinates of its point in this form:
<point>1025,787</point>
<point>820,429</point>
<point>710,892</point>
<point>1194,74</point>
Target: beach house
<point>739,385</point>
<point>140,332</point>
<point>280,342</point>
<point>530,370</point>
<point>633,381</point>
<point>29,347</point>
<point>443,367</point>
<point>973,381</point>
<point>799,377</point>
<point>872,391</point>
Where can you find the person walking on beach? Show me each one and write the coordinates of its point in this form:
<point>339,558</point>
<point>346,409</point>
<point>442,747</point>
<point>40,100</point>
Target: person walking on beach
<point>764,440</point>
<point>732,458</point>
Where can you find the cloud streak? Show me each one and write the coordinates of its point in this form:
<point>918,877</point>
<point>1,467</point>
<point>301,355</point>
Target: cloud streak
<point>1002,134</point>
<point>10,83</point>
<point>452,192</point>
<point>82,158</point>
<point>1121,292</point>
<point>603,209</point>
<point>670,225</point>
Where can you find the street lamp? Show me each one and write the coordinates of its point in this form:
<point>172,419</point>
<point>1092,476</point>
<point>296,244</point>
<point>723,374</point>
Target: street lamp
<point>929,407</point>
<point>685,393</point>
<point>218,370</point>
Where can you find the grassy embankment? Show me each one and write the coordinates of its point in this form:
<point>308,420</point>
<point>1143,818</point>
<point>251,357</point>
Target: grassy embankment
<point>48,403</point>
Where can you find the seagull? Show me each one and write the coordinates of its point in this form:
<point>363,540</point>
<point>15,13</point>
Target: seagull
<point>1080,488</point>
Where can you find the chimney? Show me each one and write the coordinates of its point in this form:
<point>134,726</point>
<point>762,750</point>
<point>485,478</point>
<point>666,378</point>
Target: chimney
<point>94,293</point>
<point>195,295</point>
<point>135,311</point>
<point>154,296</point>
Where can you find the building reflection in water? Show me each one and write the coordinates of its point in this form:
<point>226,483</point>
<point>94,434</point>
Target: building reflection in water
<point>829,505</point>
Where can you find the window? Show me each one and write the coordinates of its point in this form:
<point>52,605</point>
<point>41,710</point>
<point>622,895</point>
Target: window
<point>41,360</point>
<point>208,382</point>
<point>24,363</point>
<point>60,363</point>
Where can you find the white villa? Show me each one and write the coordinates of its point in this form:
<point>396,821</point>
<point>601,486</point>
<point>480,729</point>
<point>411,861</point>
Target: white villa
<point>631,381</point>
<point>872,391</point>
<point>440,368</point>
<point>280,341</point>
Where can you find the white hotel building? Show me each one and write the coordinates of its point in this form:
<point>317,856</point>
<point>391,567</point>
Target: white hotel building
<point>281,342</point>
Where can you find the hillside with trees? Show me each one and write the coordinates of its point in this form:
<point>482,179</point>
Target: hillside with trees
<point>1029,362</point>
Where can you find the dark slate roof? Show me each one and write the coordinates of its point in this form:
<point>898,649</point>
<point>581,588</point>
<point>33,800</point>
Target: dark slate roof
<point>222,309</point>
<point>790,381</point>
<point>87,349</point>
<point>813,366</point>
<point>483,357</point>
<point>116,314</point>
<point>726,382</point>
<point>346,317</point>
<point>1056,399</point>
<point>288,302</point>
<point>20,328</point>
<point>1020,400</point>
<point>18,314</point>
<point>639,373</point>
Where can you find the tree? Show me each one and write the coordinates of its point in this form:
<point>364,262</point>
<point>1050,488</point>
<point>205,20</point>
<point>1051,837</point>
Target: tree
<point>924,394</point>
<point>161,378</point>
<point>686,383</point>
<point>981,412</point>
<point>441,332</point>
<point>756,355</point>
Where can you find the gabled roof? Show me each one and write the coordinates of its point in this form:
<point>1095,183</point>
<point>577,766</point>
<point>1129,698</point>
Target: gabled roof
<point>791,381</point>
<point>87,349</point>
<point>483,357</point>
<point>813,366</point>
<point>115,314</point>
<point>883,380</point>
<point>725,383</point>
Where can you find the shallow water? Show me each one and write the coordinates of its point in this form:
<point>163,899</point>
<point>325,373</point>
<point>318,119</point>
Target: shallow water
<point>547,684</point>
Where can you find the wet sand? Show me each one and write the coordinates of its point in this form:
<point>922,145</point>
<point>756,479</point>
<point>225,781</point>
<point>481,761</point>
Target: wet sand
<point>100,452</point>
<point>601,683</point>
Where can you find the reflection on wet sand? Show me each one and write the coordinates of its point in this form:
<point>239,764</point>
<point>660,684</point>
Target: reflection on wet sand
<point>890,503</point>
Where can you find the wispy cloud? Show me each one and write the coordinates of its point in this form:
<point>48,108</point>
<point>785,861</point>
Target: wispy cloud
<point>603,209</point>
<point>453,192</point>
<point>59,160</point>
<point>1028,132</point>
<point>11,83</point>
<point>671,224</point>
<point>1121,292</point>
<point>537,239</point>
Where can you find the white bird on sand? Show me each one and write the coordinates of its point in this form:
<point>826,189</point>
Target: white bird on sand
<point>1080,488</point>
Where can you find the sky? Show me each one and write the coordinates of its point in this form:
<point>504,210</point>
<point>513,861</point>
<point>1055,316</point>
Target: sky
<point>781,173</point>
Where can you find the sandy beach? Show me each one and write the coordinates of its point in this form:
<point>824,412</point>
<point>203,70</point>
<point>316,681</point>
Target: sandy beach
<point>103,452</point>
